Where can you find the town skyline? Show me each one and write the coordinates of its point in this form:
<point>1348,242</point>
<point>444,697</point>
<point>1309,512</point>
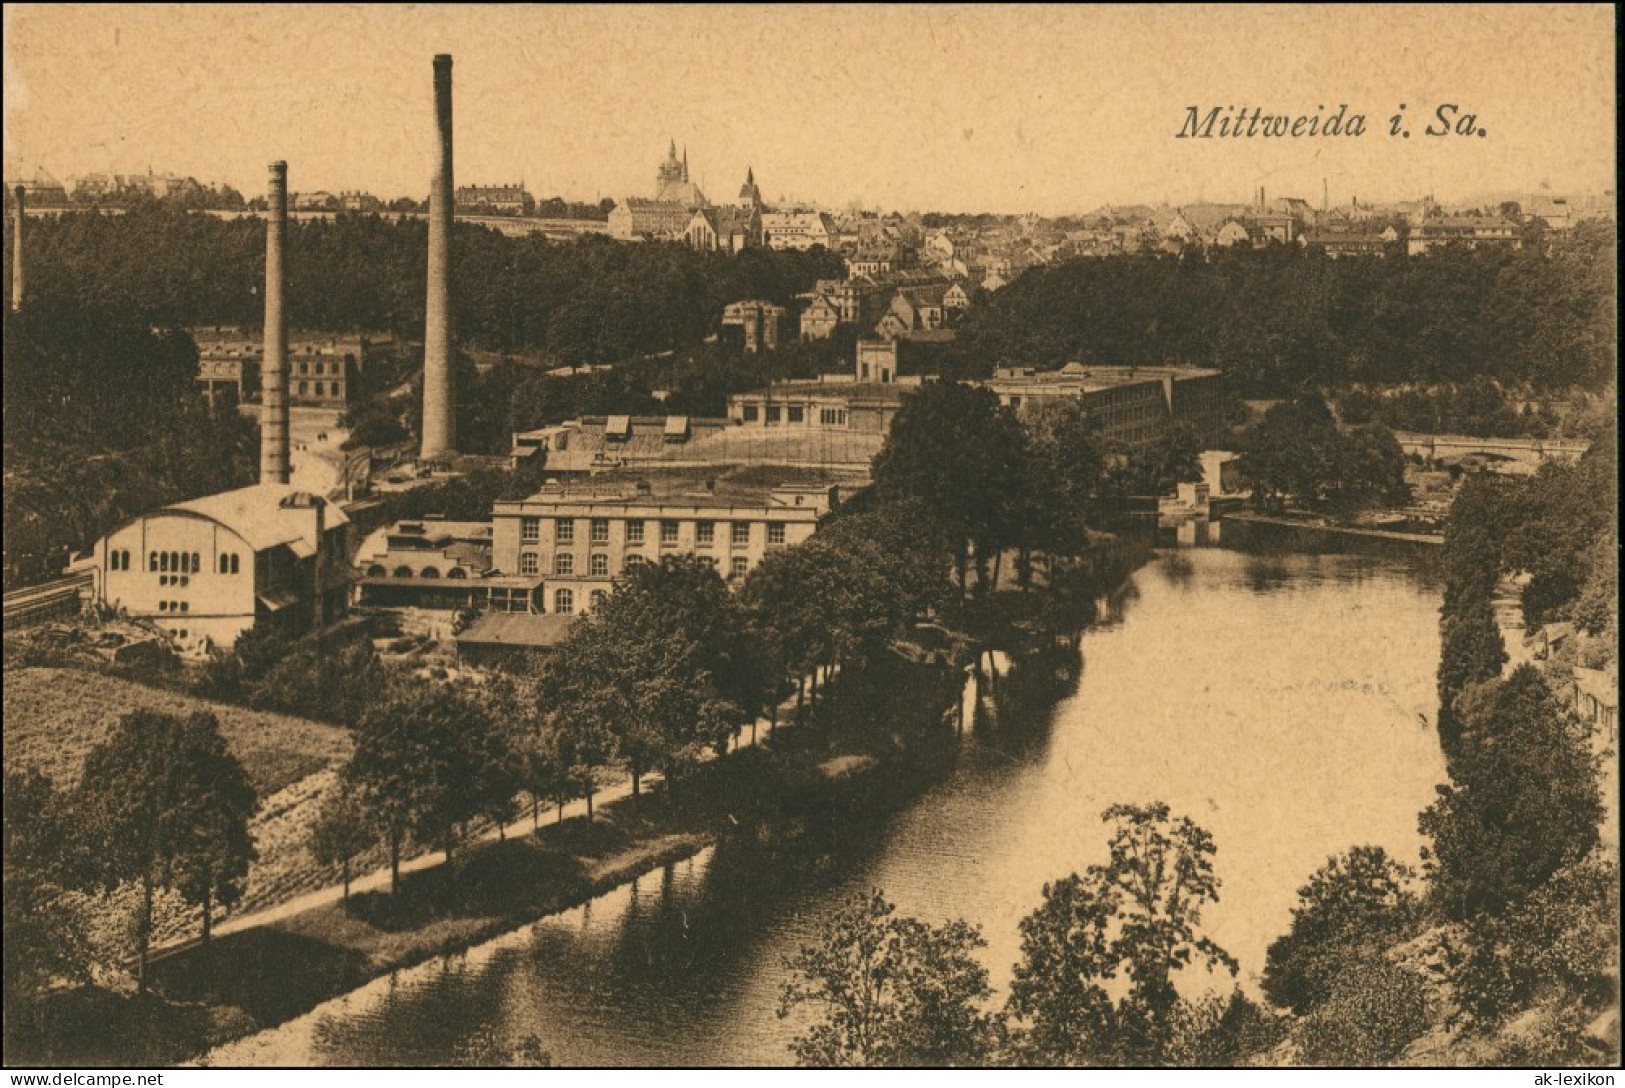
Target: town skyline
<point>1002,142</point>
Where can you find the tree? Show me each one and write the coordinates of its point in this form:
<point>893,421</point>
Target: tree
<point>217,848</point>
<point>340,831</point>
<point>1356,902</point>
<point>169,806</point>
<point>1137,916</point>
<point>664,667</point>
<point>1371,1011</point>
<point>44,858</point>
<point>953,448</point>
<point>1298,452</point>
<point>1173,459</point>
<point>425,762</point>
<point>1056,990</point>
<point>1470,652</point>
<point>892,991</point>
<point>1522,801</point>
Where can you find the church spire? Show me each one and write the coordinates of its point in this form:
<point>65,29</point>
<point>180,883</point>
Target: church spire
<point>685,162</point>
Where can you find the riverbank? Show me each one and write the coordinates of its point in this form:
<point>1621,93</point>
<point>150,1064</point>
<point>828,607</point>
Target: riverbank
<point>261,975</point>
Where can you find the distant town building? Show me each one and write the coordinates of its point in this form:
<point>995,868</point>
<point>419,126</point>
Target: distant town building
<point>1233,233</point>
<point>318,201</point>
<point>327,370</point>
<point>593,444</point>
<point>1345,244</point>
<point>759,320</point>
<point>1469,231</point>
<point>750,194</point>
<point>207,570</point>
<point>672,185</point>
<point>357,201</point>
<point>798,230</point>
<point>820,319</point>
<point>641,219</point>
<point>725,229</point>
<point>39,192</point>
<point>867,400</point>
<point>494,200</point>
<point>1135,406</point>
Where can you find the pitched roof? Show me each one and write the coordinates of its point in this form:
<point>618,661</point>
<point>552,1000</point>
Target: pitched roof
<point>517,629</point>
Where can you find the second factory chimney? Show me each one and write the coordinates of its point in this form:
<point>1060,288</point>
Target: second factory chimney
<point>439,390</point>
<point>274,367</point>
<point>17,255</point>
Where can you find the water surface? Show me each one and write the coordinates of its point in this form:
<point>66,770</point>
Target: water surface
<point>1283,703</point>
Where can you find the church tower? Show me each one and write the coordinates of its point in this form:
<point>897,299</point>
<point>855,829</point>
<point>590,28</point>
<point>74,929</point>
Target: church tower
<point>670,172</point>
<point>749,193</point>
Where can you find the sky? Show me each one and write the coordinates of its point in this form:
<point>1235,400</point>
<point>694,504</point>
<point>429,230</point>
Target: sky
<point>1045,109</point>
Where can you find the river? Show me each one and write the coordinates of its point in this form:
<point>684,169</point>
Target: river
<point>1283,703</point>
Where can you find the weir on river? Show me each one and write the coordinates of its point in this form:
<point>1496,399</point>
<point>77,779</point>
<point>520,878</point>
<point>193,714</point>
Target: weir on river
<point>1284,703</point>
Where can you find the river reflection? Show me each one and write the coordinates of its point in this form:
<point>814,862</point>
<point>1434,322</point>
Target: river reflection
<point>1281,702</point>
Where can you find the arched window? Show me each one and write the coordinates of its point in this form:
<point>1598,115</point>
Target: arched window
<point>598,597</point>
<point>186,606</point>
<point>375,571</point>
<point>197,562</point>
<point>633,560</point>
<point>175,561</point>
<point>564,602</point>
<point>598,565</point>
<point>564,563</point>
<point>163,606</point>
<point>403,572</point>
<point>457,572</point>
<point>152,561</point>
<point>429,572</point>
<point>234,562</point>
<point>224,567</point>
<point>163,562</point>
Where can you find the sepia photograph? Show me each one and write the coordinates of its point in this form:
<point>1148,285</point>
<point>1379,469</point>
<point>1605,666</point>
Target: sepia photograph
<point>873,536</point>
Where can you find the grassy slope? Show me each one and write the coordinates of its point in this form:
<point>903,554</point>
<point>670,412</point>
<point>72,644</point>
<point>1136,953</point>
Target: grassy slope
<point>53,717</point>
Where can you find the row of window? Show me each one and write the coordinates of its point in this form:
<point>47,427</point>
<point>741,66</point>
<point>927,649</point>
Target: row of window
<point>793,413</point>
<point>176,562</point>
<point>321,389</point>
<point>321,367</point>
<point>705,532</point>
<point>564,564</point>
<point>377,570</point>
<point>564,600</point>
<point>174,606</point>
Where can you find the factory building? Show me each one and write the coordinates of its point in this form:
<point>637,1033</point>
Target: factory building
<point>207,570</point>
<point>577,539</point>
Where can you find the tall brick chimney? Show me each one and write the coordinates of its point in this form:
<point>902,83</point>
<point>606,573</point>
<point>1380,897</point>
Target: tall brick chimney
<point>274,367</point>
<point>439,392</point>
<point>17,255</point>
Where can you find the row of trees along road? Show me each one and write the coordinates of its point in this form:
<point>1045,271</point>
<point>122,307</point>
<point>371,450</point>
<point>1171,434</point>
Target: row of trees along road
<point>162,804</point>
<point>663,671</point>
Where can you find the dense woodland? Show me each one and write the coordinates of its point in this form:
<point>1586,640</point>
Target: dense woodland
<point>584,302</point>
<point>1278,318</point>
<point>102,422</point>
